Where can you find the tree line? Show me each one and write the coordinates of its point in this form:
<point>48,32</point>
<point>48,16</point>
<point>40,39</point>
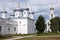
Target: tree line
<point>54,26</point>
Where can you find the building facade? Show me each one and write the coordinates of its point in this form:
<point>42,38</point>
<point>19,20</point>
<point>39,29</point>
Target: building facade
<point>22,22</point>
<point>7,26</point>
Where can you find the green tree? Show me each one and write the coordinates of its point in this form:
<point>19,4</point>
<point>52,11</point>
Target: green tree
<point>55,24</point>
<point>40,24</point>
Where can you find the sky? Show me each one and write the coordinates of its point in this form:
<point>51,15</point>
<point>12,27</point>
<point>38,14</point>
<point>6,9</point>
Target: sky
<point>40,7</point>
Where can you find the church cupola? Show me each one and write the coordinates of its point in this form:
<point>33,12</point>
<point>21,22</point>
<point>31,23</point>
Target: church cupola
<point>25,12</point>
<point>18,11</point>
<point>51,12</point>
<point>31,15</point>
<point>3,13</point>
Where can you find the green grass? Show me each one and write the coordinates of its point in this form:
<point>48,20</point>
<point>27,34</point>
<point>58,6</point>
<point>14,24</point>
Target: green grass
<point>13,35</point>
<point>48,34</point>
<point>41,34</point>
<point>41,38</point>
<point>6,36</point>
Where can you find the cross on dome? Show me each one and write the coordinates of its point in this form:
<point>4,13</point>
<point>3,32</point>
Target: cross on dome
<point>3,8</point>
<point>18,5</point>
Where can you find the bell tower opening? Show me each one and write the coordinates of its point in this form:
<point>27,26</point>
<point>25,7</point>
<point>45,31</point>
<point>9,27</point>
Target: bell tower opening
<point>51,12</point>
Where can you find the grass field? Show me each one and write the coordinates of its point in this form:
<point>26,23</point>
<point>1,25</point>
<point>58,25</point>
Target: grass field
<point>41,38</point>
<point>12,36</point>
<point>48,34</point>
<point>34,38</point>
<point>44,38</point>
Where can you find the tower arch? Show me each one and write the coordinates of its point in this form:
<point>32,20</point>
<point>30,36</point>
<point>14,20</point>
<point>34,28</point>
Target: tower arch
<point>51,12</point>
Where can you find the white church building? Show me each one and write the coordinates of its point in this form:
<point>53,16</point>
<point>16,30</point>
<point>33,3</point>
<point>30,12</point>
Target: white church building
<point>22,22</point>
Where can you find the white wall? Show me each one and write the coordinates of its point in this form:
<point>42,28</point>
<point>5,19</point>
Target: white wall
<point>5,25</point>
<point>22,25</point>
<point>25,26</point>
<point>31,26</point>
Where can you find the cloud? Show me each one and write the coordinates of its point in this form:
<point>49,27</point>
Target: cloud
<point>43,6</point>
<point>38,6</point>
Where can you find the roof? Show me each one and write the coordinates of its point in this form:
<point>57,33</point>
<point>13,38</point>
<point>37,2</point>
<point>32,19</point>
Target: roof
<point>21,9</point>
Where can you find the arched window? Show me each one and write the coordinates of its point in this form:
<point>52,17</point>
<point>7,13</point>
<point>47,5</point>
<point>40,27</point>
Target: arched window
<point>8,28</point>
<point>52,15</point>
<point>24,12</point>
<point>48,24</point>
<point>0,28</point>
<point>14,28</point>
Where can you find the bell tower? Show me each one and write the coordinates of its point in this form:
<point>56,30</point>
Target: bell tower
<point>48,21</point>
<point>3,13</point>
<point>51,12</point>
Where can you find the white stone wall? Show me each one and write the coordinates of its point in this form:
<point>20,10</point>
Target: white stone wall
<point>31,26</point>
<point>5,30</point>
<point>5,25</point>
<point>22,26</point>
<point>25,26</point>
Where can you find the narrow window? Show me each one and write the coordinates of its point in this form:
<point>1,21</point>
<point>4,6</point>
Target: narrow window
<point>0,28</point>
<point>9,29</point>
<point>24,13</point>
<point>20,22</point>
<point>14,28</point>
<point>16,14</point>
<point>19,14</point>
<point>52,15</point>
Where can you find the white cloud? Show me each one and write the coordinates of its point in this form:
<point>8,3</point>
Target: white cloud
<point>38,6</point>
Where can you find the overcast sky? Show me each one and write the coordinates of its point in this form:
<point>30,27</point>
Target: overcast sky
<point>40,7</point>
